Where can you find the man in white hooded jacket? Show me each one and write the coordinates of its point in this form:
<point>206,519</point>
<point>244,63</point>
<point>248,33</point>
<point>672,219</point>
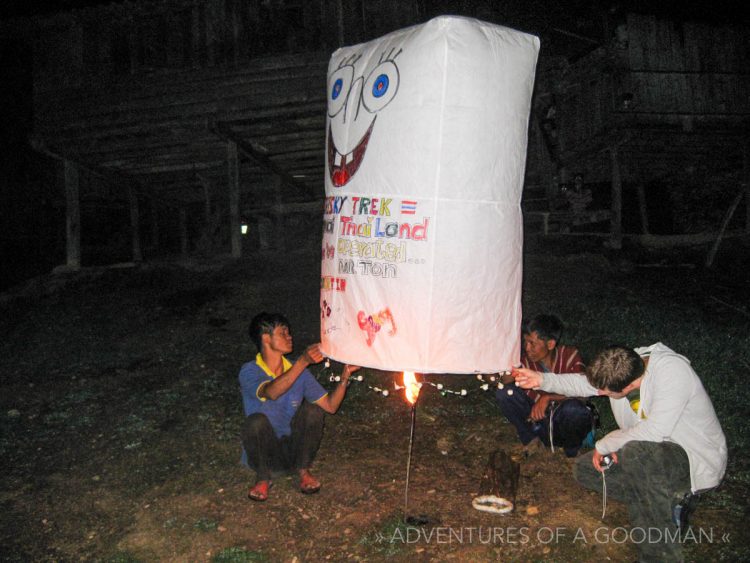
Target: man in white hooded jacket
<point>669,442</point>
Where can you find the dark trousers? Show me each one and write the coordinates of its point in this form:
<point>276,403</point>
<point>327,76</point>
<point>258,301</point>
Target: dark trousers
<point>650,477</point>
<point>571,420</point>
<point>266,452</point>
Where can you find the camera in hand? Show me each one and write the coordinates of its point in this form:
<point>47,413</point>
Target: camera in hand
<point>606,462</point>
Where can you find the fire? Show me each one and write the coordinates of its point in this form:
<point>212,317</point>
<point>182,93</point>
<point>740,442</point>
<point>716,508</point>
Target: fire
<point>411,387</point>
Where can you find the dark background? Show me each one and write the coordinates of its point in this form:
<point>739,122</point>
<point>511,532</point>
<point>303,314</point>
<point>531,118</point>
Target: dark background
<point>31,200</point>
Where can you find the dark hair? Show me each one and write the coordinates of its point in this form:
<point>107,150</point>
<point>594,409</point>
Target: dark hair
<point>548,327</point>
<point>264,323</point>
<point>614,368</point>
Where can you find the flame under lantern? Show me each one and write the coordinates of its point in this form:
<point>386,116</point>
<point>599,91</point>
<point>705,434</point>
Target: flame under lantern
<point>411,387</point>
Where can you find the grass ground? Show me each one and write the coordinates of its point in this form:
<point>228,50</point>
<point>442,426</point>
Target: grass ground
<point>120,411</point>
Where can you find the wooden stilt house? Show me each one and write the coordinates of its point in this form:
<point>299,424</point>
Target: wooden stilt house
<point>661,103</point>
<point>197,116</point>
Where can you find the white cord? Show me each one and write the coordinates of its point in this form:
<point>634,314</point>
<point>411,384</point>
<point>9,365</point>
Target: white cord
<point>551,426</point>
<point>604,494</point>
<point>492,503</point>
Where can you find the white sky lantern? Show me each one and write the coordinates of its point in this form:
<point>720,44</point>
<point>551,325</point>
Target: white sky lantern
<point>422,242</point>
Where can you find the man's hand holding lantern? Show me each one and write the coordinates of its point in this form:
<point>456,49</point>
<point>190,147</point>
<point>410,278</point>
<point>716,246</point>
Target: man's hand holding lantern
<point>527,378</point>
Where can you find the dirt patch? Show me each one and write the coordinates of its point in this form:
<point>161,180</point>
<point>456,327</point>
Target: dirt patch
<point>121,410</point>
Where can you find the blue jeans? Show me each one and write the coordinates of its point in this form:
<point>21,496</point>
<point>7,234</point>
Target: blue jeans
<point>571,420</point>
<point>650,477</point>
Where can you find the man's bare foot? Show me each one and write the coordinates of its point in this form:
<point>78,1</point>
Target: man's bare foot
<point>259,492</point>
<point>307,483</point>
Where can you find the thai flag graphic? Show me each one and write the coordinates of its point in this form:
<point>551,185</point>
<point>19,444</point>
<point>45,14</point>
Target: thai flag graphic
<point>408,207</point>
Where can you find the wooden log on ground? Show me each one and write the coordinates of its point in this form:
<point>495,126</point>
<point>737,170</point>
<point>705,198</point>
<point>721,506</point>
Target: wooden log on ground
<point>676,241</point>
<point>497,491</point>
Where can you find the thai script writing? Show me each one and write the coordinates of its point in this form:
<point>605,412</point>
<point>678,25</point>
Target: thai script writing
<point>380,250</point>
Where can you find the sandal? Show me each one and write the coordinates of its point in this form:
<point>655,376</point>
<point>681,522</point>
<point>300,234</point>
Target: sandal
<point>308,484</point>
<point>259,492</point>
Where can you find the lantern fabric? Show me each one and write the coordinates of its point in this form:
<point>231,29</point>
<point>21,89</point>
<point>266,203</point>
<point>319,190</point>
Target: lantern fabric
<point>422,237</point>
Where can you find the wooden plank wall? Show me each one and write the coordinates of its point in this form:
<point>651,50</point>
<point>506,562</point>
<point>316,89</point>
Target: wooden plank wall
<point>128,38</point>
<point>670,78</point>
<point>138,86</point>
<point>688,68</point>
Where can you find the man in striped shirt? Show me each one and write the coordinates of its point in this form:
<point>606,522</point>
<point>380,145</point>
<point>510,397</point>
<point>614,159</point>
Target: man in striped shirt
<point>546,419</point>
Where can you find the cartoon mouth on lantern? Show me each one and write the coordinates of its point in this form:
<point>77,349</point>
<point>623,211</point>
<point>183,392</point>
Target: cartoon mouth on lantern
<point>342,167</point>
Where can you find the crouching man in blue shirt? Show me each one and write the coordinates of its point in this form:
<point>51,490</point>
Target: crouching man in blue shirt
<point>284,406</point>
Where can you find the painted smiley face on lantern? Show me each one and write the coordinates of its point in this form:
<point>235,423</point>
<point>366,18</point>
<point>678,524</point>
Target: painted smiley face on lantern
<point>354,101</point>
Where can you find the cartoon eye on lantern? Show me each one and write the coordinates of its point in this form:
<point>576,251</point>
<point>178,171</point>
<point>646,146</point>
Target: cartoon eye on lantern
<point>339,85</point>
<point>380,87</point>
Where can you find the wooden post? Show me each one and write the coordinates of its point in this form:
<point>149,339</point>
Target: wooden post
<point>642,208</point>
<point>746,179</point>
<point>499,484</point>
<point>135,229</point>
<point>233,174</point>
<point>724,224</point>
<point>616,235</point>
<point>154,224</point>
<point>72,216</point>
<point>280,238</point>
<point>183,232</point>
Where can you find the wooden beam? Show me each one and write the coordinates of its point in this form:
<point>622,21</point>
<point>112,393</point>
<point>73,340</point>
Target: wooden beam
<point>286,208</point>
<point>233,184</point>
<point>596,144</point>
<point>72,216</point>
<point>224,131</point>
<point>114,177</point>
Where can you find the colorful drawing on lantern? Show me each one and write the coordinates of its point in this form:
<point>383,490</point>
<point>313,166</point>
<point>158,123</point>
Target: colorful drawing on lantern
<point>367,268</point>
<point>379,249</point>
<point>353,105</point>
<point>371,206</point>
<point>360,205</point>
<point>328,252</point>
<point>329,283</point>
<point>408,207</point>
<point>378,228</point>
<point>373,323</point>
<point>334,204</point>
<point>325,310</point>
